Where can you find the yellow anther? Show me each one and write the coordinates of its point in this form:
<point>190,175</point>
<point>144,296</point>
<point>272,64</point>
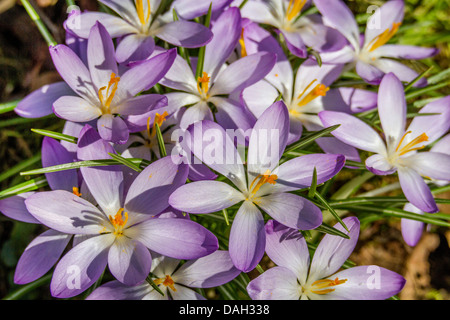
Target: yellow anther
<point>384,37</point>
<point>76,191</point>
<point>242,44</point>
<point>140,11</point>
<point>159,119</point>
<point>411,146</point>
<point>323,286</point>
<point>294,8</point>
<point>262,179</point>
<point>167,281</point>
<point>119,221</point>
<point>110,91</point>
<point>203,84</point>
<point>320,90</point>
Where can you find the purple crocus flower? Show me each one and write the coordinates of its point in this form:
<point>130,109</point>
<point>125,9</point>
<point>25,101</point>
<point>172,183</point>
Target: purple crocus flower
<point>306,95</point>
<point>137,26</point>
<point>190,9</point>
<point>175,281</point>
<point>102,93</point>
<point>370,54</point>
<point>411,229</point>
<point>295,277</point>
<point>397,153</point>
<point>219,80</point>
<point>299,31</point>
<point>267,184</point>
<point>119,229</point>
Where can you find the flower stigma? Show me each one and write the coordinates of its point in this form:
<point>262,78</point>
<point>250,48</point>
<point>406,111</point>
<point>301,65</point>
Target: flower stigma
<point>411,146</point>
<point>262,179</point>
<point>119,221</point>
<point>167,281</point>
<point>203,85</point>
<point>110,91</point>
<point>323,286</point>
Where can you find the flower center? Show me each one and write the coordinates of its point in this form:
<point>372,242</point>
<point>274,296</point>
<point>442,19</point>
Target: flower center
<point>384,37</point>
<point>106,93</point>
<point>167,281</point>
<point>294,8</point>
<point>262,179</point>
<point>323,286</point>
<point>119,221</point>
<point>159,119</point>
<point>411,146</point>
<point>320,90</point>
<point>143,18</point>
<point>203,85</point>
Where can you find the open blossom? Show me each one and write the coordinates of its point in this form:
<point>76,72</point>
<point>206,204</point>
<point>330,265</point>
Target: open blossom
<point>370,53</point>
<point>175,281</point>
<point>136,26</point>
<point>296,277</point>
<point>219,80</point>
<point>398,151</point>
<point>104,94</point>
<point>266,184</point>
<point>120,229</point>
<point>299,31</point>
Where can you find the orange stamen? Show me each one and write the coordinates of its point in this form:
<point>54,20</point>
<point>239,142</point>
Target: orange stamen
<point>159,119</point>
<point>119,221</point>
<point>203,84</point>
<point>242,43</point>
<point>384,37</point>
<point>112,85</point>
<point>76,191</point>
<point>267,177</point>
<point>294,8</point>
<point>167,281</point>
<point>140,11</point>
<point>319,90</point>
<point>411,145</point>
<point>322,286</point>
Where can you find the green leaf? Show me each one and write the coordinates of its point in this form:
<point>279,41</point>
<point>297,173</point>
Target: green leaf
<point>22,165</point>
<point>8,106</point>
<point>312,189</point>
<point>125,161</point>
<point>330,209</point>
<point>56,135</point>
<point>30,185</point>
<point>23,290</point>
<point>325,228</point>
<point>153,284</point>
<point>201,52</point>
<point>310,138</point>
<point>161,146</point>
<point>414,81</point>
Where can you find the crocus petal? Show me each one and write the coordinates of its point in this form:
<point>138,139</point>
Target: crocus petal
<point>76,109</point>
<point>379,165</point>
<point>404,73</point>
<point>126,9</point>
<point>350,100</point>
<point>40,256</point>
<point>198,112</point>
<point>232,115</point>
<point>220,154</point>
<point>215,196</point>
<point>339,16</point>
<point>268,140</point>
<point>291,210</point>
<point>176,238</point>
<point>81,267</point>
<point>411,229</point>
<point>392,108</point>
<point>149,193</point>
<point>115,290</point>
<point>416,190</point>
<point>39,103</point>
<point>342,56</point>
<point>14,207</point>
<point>366,283</point>
<point>295,44</point>
<point>369,73</point>
<point>213,270</point>
<point>73,71</point>
<point>105,183</point>
<point>278,283</point>
<point>190,9</point>
<point>443,145</point>
<point>332,145</point>
<point>243,73</point>
<point>259,97</point>
<point>227,30</point>
<point>434,165</point>
<point>183,293</point>
<point>180,77</point>
<point>101,56</point>
<point>259,12</point>
<point>435,126</point>
<point>113,129</point>
<point>65,212</point>
<point>353,131</point>
<point>287,248</point>
<point>134,47</point>
<point>185,34</point>
<point>405,52</point>
<point>129,261</point>
<point>53,153</point>
<point>332,251</point>
<point>247,237</point>
<point>141,104</point>
<point>384,18</point>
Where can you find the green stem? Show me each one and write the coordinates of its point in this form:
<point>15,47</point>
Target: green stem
<point>39,23</point>
<point>16,295</point>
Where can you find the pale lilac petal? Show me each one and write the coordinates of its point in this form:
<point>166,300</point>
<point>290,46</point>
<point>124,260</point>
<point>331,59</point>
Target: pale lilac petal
<point>392,108</point>
<point>185,34</point>
<point>205,197</point>
<point>350,100</point>
<point>198,112</point>
<point>183,293</point>
<point>291,210</point>
<point>287,248</point>
<point>232,115</point>
<point>126,9</point>
<point>53,153</point>
<point>199,172</point>
<point>332,251</point>
<point>259,97</point>
<point>369,73</point>
<point>259,12</point>
<point>113,129</point>
<point>405,52</point>
<point>366,283</point>
<point>175,238</point>
<point>141,104</point>
<point>76,109</point>
<point>66,212</point>
<point>379,165</point>
<point>115,290</point>
<point>210,271</point>
<point>40,256</point>
<point>247,237</point>
<point>342,56</point>
<point>319,36</point>
<point>243,73</point>
<point>295,44</point>
<point>443,145</point>
<point>14,208</point>
<point>149,193</point>
<point>180,77</point>
<point>416,190</point>
<point>190,9</point>
<point>129,261</point>
<point>384,18</point>
<point>332,145</point>
<point>311,72</point>
<point>105,183</point>
<point>134,47</point>
<point>353,131</point>
<point>81,267</point>
<point>39,103</point>
<point>411,229</point>
<point>433,165</point>
<point>403,72</point>
<point>278,283</point>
